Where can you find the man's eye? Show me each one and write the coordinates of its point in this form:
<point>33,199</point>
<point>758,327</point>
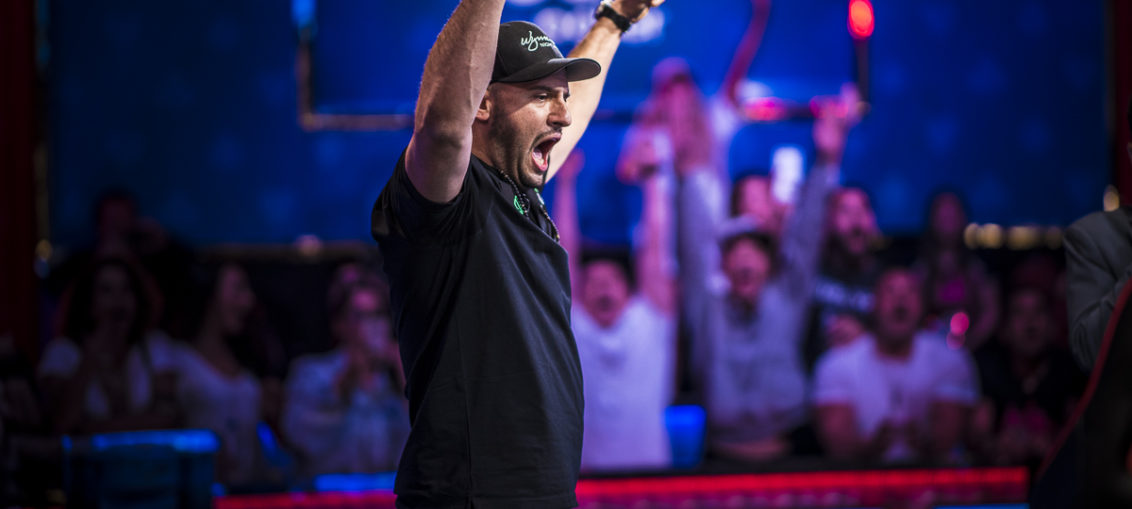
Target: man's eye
<point>542,97</point>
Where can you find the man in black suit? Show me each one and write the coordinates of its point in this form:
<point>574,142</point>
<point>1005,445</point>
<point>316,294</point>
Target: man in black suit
<point>1098,250</point>
<point>1089,467</point>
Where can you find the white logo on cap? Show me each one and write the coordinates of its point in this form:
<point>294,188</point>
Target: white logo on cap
<point>533,43</point>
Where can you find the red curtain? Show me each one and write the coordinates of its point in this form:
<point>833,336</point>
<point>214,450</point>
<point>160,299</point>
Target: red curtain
<point>18,135</point>
<point>1120,49</point>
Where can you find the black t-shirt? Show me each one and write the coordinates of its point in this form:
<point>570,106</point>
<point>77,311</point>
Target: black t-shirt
<point>480,297</point>
<point>1062,384</point>
<point>837,293</point>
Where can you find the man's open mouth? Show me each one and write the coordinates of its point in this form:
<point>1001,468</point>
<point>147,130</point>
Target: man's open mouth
<point>541,152</point>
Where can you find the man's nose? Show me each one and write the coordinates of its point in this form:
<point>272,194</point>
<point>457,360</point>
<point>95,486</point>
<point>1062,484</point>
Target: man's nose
<point>560,114</point>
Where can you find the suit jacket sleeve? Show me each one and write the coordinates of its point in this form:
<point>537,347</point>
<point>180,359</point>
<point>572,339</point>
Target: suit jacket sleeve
<point>1091,293</point>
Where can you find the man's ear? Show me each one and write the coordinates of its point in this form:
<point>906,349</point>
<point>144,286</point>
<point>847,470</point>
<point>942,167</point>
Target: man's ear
<point>483,113</point>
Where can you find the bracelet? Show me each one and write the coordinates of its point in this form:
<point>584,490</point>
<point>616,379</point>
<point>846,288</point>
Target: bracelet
<point>605,10</point>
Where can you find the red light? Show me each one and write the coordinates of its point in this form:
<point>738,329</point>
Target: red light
<point>960,322</point>
<point>861,22</point>
<point>765,109</point>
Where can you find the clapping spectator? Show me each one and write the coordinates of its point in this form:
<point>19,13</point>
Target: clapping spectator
<point>345,411</point>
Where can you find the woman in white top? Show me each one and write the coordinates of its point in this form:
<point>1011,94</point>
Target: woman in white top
<point>109,371</point>
<point>216,390</point>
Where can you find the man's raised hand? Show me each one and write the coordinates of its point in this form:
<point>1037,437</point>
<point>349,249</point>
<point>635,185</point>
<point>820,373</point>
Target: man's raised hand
<point>635,9</point>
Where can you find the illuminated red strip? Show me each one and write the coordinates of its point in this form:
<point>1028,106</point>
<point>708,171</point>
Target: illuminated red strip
<point>589,489</point>
<point>359,500</point>
<point>808,480</point>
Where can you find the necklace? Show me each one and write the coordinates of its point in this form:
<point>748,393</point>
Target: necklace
<point>523,203</point>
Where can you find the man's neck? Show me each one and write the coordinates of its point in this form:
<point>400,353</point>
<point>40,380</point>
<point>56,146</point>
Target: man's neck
<point>841,262</point>
<point>742,308</point>
<point>480,152</point>
<point>1023,366</point>
<point>895,348</point>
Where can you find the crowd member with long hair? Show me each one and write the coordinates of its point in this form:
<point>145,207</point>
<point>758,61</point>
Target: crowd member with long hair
<point>109,370</point>
<point>217,387</point>
<point>955,280</point>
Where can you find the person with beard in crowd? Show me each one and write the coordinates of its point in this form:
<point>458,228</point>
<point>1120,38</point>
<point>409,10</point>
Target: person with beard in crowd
<point>1098,253</point>
<point>110,370</point>
<point>843,295</point>
<point>344,410</point>
<point>746,339</point>
<point>625,332</point>
<point>480,288</point>
<point>898,394</point>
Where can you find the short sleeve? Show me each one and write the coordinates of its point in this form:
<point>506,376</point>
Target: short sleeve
<point>164,353</point>
<point>833,379</point>
<point>956,380</point>
<point>61,358</point>
<point>402,211</point>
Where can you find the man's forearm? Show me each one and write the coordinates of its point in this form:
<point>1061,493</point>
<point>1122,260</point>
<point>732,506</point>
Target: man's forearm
<point>654,255</point>
<point>456,76</point>
<point>458,69</point>
<point>599,44</point>
<point>802,237</point>
<point>696,228</point>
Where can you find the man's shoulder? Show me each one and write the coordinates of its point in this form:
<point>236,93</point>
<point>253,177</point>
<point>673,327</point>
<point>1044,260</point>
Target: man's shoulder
<point>846,356</point>
<point>936,356</point>
<point>400,183</point>
<point>640,311</point>
<point>317,364</point>
<point>402,211</point>
<point>1119,220</point>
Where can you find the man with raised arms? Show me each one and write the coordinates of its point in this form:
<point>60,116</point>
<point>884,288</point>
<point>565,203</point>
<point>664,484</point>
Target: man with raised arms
<point>480,290</point>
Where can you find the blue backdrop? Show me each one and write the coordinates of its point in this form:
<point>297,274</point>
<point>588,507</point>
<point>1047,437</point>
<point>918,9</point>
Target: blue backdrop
<point>192,105</point>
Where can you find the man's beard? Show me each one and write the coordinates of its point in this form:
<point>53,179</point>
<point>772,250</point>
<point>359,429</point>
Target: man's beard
<point>506,136</point>
<point>516,157</point>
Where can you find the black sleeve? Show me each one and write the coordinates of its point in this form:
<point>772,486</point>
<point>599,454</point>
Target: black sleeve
<point>402,211</point>
<point>1091,294</point>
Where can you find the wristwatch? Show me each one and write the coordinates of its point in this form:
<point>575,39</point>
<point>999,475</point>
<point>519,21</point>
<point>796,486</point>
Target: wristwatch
<point>605,10</point>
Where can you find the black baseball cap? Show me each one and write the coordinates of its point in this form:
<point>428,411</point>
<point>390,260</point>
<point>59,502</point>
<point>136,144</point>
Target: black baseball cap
<point>525,53</point>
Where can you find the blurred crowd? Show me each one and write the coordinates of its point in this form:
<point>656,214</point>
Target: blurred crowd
<point>773,304</point>
<point>778,306</point>
<point>150,336</point>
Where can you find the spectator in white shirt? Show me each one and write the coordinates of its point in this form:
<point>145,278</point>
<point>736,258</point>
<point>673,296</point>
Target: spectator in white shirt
<point>216,391</point>
<point>625,332</point>
<point>110,371</point>
<point>898,394</point>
